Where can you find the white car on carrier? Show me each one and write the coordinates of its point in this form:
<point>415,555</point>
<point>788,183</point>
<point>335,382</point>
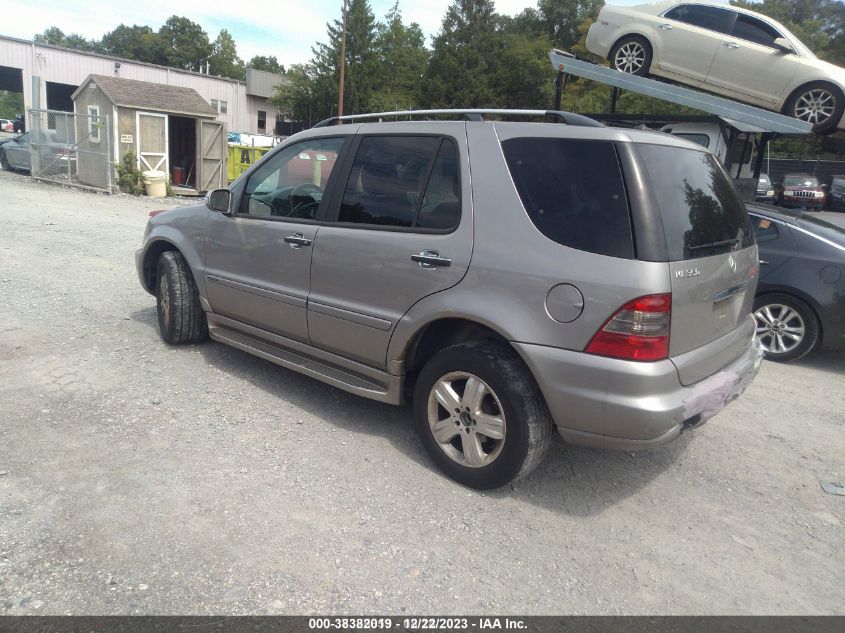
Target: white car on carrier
<point>726,50</point>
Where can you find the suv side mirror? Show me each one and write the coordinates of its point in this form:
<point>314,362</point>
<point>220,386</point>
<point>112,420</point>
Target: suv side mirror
<point>783,45</point>
<point>219,200</point>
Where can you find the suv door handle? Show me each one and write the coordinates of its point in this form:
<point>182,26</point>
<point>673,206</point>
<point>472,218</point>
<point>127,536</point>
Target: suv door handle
<point>431,259</point>
<point>731,44</point>
<point>665,27</point>
<point>297,240</point>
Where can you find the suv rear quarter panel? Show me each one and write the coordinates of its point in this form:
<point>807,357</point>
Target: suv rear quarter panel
<point>514,266</point>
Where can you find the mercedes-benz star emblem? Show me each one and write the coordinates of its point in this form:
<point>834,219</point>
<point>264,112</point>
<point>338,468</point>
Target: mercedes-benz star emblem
<point>732,263</point>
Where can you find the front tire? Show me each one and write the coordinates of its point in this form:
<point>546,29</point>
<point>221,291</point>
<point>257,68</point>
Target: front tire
<point>787,327</point>
<point>820,103</point>
<point>632,55</point>
<point>480,415</point>
<point>181,319</point>
<point>4,162</point>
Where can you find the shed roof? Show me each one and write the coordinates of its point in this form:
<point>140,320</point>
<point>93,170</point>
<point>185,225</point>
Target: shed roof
<point>146,95</point>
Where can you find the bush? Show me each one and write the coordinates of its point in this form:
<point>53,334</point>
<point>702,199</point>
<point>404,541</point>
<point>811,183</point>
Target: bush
<point>129,176</point>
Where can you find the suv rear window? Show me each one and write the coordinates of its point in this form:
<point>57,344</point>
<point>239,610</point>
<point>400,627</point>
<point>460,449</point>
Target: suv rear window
<point>573,192</point>
<point>701,211</point>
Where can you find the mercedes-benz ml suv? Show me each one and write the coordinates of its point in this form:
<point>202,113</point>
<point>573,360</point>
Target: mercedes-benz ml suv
<point>510,277</point>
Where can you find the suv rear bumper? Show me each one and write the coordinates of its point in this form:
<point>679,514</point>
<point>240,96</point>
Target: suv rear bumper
<point>611,403</point>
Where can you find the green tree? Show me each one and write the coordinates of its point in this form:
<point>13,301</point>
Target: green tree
<point>56,37</point>
<point>401,62</point>
<point>224,57</point>
<point>561,19</point>
<point>53,35</point>
<point>463,60</point>
<point>361,60</point>
<point>294,97</point>
<point>269,64</point>
<point>524,78</point>
<point>185,43</point>
<point>11,104</point>
<point>134,42</point>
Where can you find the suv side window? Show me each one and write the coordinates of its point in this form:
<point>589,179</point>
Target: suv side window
<point>711,18</point>
<point>290,183</point>
<point>573,192</point>
<point>403,181</point>
<point>750,28</point>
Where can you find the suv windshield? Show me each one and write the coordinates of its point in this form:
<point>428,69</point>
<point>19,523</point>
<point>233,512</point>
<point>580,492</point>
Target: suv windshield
<point>799,180</point>
<point>701,211</point>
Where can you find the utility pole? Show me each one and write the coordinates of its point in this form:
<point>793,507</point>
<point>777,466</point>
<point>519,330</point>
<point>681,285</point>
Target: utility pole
<point>342,63</point>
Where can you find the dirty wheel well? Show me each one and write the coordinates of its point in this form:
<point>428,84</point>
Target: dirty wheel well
<point>151,262</point>
<point>439,335</point>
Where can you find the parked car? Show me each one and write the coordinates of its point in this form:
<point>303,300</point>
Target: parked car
<point>6,125</point>
<point>801,191</point>
<point>570,282</point>
<point>765,189</point>
<point>55,157</point>
<point>726,50</point>
<point>800,302</point>
<point>836,195</point>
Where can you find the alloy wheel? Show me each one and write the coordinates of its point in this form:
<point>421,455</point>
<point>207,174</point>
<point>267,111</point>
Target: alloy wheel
<point>629,58</point>
<point>815,106</point>
<point>780,328</point>
<point>466,419</point>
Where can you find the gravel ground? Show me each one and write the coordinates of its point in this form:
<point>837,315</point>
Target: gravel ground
<point>140,478</point>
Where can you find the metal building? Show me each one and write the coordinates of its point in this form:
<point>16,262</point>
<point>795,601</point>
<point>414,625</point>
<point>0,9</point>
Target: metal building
<point>48,76</point>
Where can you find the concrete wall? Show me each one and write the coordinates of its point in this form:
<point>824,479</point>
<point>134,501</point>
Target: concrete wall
<point>62,65</point>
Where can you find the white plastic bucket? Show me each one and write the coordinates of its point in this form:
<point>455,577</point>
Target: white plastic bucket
<point>155,183</point>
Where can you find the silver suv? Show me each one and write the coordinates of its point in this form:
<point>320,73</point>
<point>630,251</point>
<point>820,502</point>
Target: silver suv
<point>509,276</point>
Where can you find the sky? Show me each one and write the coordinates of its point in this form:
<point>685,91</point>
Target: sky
<point>284,28</point>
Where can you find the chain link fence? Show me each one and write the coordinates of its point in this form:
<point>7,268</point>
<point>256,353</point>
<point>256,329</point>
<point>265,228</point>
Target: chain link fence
<point>71,149</point>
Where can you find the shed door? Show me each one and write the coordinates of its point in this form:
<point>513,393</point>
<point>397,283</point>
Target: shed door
<point>152,141</point>
<point>211,172</point>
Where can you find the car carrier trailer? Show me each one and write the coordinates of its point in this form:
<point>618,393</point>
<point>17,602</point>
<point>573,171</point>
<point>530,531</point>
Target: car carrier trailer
<point>734,128</point>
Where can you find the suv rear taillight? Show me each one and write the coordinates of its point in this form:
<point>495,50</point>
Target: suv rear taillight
<point>639,330</point>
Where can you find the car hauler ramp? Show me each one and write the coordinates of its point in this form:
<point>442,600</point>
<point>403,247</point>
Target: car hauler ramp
<point>763,120</point>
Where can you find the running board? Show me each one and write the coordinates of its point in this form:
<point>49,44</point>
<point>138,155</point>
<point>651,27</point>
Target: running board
<point>326,372</point>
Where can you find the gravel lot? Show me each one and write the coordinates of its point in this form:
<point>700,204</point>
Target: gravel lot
<point>138,478</point>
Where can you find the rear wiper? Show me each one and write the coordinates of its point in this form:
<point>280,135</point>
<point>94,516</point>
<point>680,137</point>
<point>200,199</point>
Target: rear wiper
<point>731,242</point>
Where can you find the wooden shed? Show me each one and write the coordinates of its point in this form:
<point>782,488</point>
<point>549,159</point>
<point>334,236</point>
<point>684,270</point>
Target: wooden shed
<point>170,129</point>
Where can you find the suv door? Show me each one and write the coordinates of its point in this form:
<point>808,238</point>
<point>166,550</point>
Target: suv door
<point>402,230</point>
<point>258,259</point>
<point>687,37</point>
<point>748,63</point>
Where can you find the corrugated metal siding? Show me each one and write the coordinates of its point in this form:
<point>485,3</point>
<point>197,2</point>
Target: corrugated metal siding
<point>72,67</point>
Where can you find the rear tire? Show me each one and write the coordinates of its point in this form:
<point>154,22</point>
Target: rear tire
<point>815,100</point>
<point>496,428</point>
<point>787,327</point>
<point>181,319</point>
<point>632,55</point>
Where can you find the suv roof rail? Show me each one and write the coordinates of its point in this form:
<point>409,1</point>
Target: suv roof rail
<point>570,118</point>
